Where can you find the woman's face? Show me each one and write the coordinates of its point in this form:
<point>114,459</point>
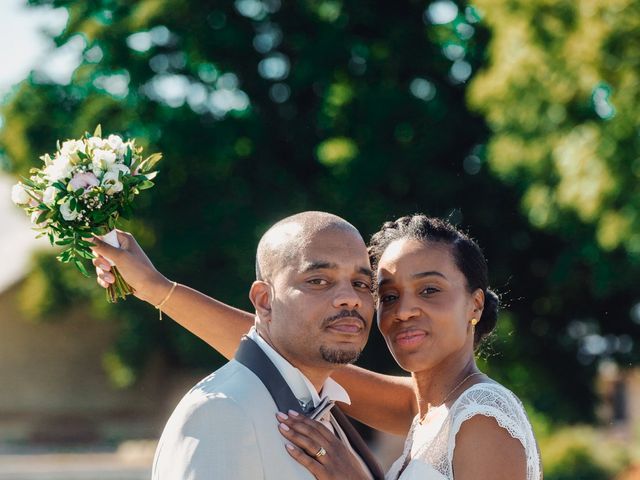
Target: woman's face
<point>424,308</point>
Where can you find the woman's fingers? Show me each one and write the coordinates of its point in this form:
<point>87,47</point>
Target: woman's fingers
<point>306,461</point>
<point>104,278</point>
<point>310,445</point>
<point>101,263</point>
<point>305,425</point>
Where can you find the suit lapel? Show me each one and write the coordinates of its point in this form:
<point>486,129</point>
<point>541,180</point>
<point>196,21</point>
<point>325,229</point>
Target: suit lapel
<point>251,356</point>
<point>358,443</point>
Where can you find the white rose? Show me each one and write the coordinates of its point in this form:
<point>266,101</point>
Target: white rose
<point>60,168</point>
<point>19,195</point>
<point>49,195</point>
<point>71,146</point>
<point>117,145</point>
<point>97,142</point>
<point>68,214</point>
<point>103,160</point>
<point>116,168</point>
<point>112,183</point>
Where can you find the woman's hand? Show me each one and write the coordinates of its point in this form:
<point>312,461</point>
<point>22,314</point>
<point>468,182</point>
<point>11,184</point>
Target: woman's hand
<point>133,264</point>
<point>317,449</point>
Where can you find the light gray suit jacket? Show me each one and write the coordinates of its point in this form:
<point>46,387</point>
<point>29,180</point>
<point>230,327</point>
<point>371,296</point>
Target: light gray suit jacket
<point>225,428</point>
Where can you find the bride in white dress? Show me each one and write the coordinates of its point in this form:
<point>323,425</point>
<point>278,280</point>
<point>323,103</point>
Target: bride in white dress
<point>434,309</point>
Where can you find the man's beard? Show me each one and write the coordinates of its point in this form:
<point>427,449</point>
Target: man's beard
<point>337,356</point>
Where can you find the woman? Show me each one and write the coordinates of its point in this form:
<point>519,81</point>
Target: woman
<point>434,309</point>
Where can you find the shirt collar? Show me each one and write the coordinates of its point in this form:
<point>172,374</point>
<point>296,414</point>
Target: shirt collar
<point>300,385</point>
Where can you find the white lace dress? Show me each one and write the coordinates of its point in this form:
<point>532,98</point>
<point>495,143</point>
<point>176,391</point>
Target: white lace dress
<point>431,446</point>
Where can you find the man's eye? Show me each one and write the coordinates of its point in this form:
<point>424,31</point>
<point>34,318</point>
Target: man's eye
<point>363,285</point>
<point>317,281</point>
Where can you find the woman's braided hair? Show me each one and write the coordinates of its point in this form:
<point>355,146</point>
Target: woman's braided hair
<point>465,251</point>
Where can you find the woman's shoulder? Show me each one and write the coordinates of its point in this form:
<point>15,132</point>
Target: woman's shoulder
<point>488,394</point>
<point>491,399</point>
<point>486,408</point>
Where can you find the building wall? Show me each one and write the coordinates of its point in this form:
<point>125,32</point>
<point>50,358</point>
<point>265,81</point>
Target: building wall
<point>53,387</point>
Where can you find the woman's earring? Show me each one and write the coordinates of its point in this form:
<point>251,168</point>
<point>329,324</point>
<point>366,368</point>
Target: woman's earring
<point>474,322</point>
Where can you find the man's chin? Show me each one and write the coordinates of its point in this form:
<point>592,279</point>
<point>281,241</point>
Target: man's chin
<point>339,356</point>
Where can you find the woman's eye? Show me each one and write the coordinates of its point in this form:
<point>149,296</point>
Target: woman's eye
<point>317,281</point>
<point>363,285</point>
<point>429,290</point>
<point>387,298</point>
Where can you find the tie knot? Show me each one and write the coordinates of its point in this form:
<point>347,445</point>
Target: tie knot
<point>321,409</point>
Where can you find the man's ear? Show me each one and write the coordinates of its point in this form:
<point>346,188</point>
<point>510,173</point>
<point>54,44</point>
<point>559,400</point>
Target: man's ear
<point>260,296</point>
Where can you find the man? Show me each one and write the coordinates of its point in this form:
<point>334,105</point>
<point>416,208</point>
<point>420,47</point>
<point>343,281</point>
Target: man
<point>314,308</point>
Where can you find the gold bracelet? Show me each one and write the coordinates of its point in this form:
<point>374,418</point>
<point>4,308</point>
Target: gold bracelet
<point>161,304</point>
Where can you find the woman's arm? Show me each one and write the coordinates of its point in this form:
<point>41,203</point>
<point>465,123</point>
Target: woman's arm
<point>383,402</point>
<point>218,324</point>
<point>486,451</point>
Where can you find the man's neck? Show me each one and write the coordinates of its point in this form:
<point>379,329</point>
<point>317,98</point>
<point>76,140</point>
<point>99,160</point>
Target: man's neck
<point>316,375</point>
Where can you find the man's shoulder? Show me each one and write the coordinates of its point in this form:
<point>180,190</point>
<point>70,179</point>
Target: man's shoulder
<point>233,383</point>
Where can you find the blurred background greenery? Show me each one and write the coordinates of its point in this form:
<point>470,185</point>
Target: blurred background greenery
<point>515,119</point>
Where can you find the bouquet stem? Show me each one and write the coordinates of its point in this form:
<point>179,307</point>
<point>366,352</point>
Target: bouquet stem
<point>118,289</point>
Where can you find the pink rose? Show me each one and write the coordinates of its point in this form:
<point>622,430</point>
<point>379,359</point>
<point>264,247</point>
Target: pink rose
<point>83,180</point>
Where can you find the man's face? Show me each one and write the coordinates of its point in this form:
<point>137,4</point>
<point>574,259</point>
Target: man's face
<point>322,306</point>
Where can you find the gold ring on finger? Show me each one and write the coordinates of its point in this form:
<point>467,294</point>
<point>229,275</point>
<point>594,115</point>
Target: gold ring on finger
<point>321,452</point>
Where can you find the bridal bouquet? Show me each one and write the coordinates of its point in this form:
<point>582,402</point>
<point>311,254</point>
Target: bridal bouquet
<point>82,191</point>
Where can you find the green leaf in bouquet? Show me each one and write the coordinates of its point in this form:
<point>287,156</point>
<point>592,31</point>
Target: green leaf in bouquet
<point>81,252</point>
<point>150,162</point>
<point>65,256</point>
<point>73,203</point>
<point>80,266</point>
<point>60,186</point>
<point>85,244</point>
<point>64,241</point>
<point>127,157</point>
<point>42,217</point>
<point>98,131</point>
<point>28,182</point>
<point>151,175</point>
<point>145,185</point>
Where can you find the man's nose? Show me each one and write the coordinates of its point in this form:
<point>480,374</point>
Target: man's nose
<point>347,297</point>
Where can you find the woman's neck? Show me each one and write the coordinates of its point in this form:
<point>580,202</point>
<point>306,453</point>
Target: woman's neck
<point>442,382</point>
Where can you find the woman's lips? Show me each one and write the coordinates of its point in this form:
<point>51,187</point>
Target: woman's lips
<point>410,338</point>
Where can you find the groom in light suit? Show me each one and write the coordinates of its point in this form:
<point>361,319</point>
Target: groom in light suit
<point>313,314</point>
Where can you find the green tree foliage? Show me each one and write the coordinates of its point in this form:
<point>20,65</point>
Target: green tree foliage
<point>263,109</point>
<point>560,93</point>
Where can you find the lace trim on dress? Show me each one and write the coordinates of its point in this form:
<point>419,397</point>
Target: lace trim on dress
<point>492,400</point>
